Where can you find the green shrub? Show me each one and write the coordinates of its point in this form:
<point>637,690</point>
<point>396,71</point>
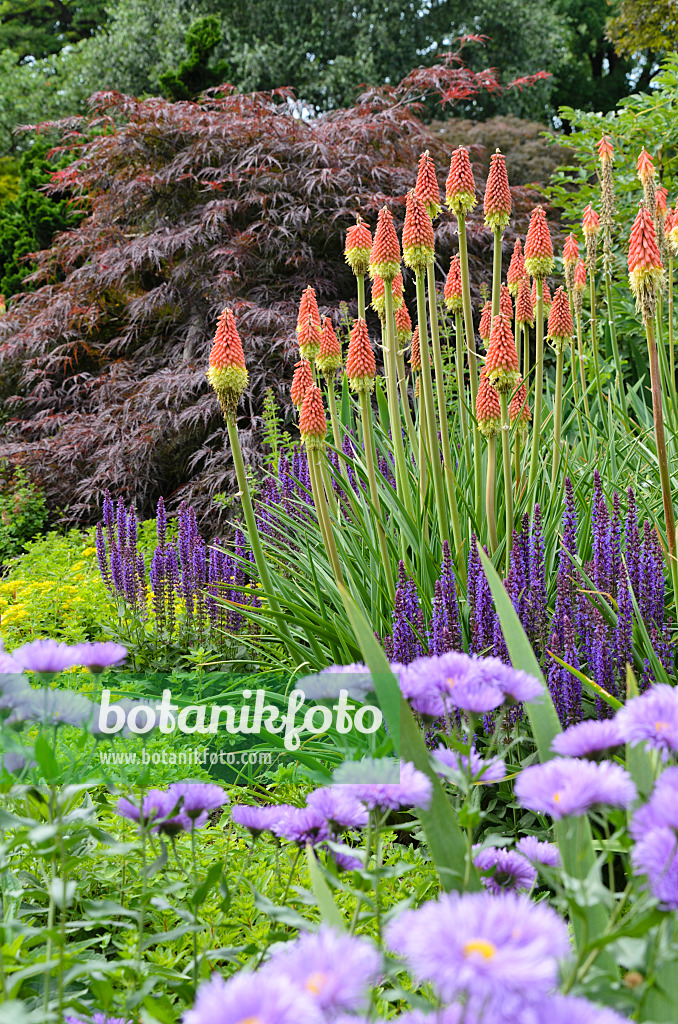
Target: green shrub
<point>23,511</point>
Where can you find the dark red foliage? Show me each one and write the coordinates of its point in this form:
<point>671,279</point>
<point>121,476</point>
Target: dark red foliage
<point>191,206</point>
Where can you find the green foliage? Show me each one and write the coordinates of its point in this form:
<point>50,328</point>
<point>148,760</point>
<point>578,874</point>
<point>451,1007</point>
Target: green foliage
<point>37,28</point>
<point>194,75</point>
<point>23,511</point>
<point>644,24</point>
<point>30,221</point>
<point>273,436</point>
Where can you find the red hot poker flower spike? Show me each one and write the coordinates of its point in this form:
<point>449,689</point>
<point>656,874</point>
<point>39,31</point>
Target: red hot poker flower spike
<point>329,357</point>
<point>415,355</point>
<point>538,245</point>
<point>501,364</point>
<point>358,246</point>
<point>590,221</point>
<point>505,303</point>
<point>497,204</point>
<point>605,150</point>
<point>570,260</point>
<point>524,304</point>
<point>645,166</point>
<point>378,300</point>
<point>403,326</point>
<point>227,372</point>
<point>385,254</point>
<point>361,367</point>
<point>516,270</point>
<point>488,407</point>
<point>427,185</point>
<point>418,237</point>
<point>662,196</point>
<point>645,264</point>
<point>312,419</point>
<point>453,295</point>
<point>519,408</point>
<point>301,381</point>
<point>560,327</point>
<point>485,321</point>
<point>308,306</point>
<point>309,338</point>
<point>460,188</point>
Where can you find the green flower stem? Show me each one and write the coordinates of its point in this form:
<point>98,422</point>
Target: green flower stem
<point>360,280</point>
<point>557,415</point>
<point>490,489</point>
<point>594,342</point>
<point>323,515</point>
<point>526,350</point>
<point>461,387</point>
<point>404,395</point>
<point>538,382</point>
<point>508,484</point>
<point>672,354</point>
<point>251,523</point>
<point>426,385</point>
<point>582,370</point>
<point>423,461</point>
<point>615,344</point>
<point>471,353</point>
<point>516,459</point>
<point>442,412</point>
<point>575,396</point>
<point>496,272</point>
<point>662,457</point>
<point>402,481</point>
<point>366,415</point>
<point>334,417</point>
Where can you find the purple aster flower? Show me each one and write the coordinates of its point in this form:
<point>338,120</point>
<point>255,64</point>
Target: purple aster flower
<point>252,996</point>
<point>8,666</point>
<point>514,683</point>
<point>652,718</point>
<point>507,871</point>
<point>45,656</point>
<point>485,947</point>
<point>256,819</point>
<point>300,825</point>
<point>338,807</point>
<point>656,856</point>
<point>157,805</point>
<point>568,1009</point>
<point>356,679</point>
<point>197,800</point>
<point>539,853</point>
<point>587,738</point>
<point>483,771</point>
<point>97,1018</point>
<point>97,657</point>
<point>52,707</point>
<point>566,786</point>
<point>661,810</point>
<point>343,856</point>
<point>383,784</point>
<point>335,969</point>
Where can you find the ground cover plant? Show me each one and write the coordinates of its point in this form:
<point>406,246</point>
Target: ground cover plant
<point>473,551</point>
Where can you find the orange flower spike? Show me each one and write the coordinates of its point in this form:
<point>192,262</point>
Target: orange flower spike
<point>605,150</point>
<point>378,302</point>
<point>672,230</point>
<point>570,260</point>
<point>488,407</point>
<point>460,188</point>
<point>403,326</point>
<point>227,371</point>
<point>580,277</point>
<point>397,290</point>
<point>560,327</point>
<point>385,253</point>
<point>524,304</point>
<point>590,222</point>
<point>453,294</point>
<point>312,419</point>
<point>501,364</point>
<point>329,357</point>
<point>538,245</point>
<point>505,303</point>
<point>301,381</point>
<point>358,247</point>
<point>645,166</point>
<point>519,409</point>
<point>660,207</point>
<point>427,185</point>
<point>668,220</point>
<point>516,270</point>
<point>308,306</point>
<point>497,203</point>
<point>415,355</point>
<point>361,367</point>
<point>485,326</point>
<point>645,265</point>
<point>309,338</point>
<point>418,237</point>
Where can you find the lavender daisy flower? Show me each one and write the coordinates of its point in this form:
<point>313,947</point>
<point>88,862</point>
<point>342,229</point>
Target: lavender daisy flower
<point>340,808</point>
<point>484,947</point>
<point>383,784</point>
<point>335,969</point>
<point>515,684</point>
<point>652,718</point>
<point>256,997</point>
<point>588,738</point>
<point>566,1009</point>
<point>343,856</point>
<point>197,800</point>
<point>45,656</point>
<point>157,805</point>
<point>256,819</point>
<point>8,666</point>
<point>356,679</point>
<point>510,872</point>
<point>52,707</point>
<point>97,657</point>
<point>661,810</point>
<point>482,771</point>
<point>300,825</point>
<point>566,786</point>
<point>539,853</point>
<point>656,856</point>
<point>97,1018</point>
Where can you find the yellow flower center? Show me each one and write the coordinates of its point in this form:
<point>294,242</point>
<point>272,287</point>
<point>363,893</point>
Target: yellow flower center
<point>556,797</point>
<point>249,1020</point>
<point>483,947</point>
<point>316,982</point>
<point>661,726</point>
<point>449,682</point>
